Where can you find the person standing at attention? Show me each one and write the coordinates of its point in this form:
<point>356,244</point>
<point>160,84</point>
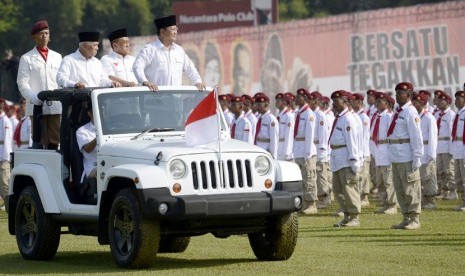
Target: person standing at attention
<point>37,72</point>
<point>163,62</point>
<point>405,151</point>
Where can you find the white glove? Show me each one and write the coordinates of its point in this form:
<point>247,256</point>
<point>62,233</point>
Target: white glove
<point>416,164</point>
<point>354,165</point>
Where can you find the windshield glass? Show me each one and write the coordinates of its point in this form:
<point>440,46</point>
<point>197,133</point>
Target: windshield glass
<point>135,112</point>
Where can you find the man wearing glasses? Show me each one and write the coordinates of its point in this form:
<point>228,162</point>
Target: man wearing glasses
<point>118,63</point>
<point>163,62</point>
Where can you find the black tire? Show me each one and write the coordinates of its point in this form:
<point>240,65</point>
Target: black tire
<point>278,242</point>
<point>133,240</point>
<point>37,234</point>
<point>173,244</point>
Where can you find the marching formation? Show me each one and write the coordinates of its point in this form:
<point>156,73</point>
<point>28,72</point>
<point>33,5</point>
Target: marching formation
<point>407,152</point>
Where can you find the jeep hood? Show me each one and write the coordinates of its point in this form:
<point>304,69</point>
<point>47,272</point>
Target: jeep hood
<point>149,149</point>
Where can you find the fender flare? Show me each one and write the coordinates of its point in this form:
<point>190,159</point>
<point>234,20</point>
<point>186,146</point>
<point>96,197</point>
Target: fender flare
<point>39,175</point>
<point>149,176</point>
<point>287,171</point>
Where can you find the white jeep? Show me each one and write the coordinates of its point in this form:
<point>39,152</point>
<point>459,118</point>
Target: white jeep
<point>151,193</point>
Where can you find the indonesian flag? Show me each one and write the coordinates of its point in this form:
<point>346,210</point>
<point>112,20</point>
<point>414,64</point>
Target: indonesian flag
<point>202,125</point>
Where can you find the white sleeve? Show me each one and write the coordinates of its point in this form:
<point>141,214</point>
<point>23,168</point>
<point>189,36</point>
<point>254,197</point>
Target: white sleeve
<point>141,62</point>
<point>64,74</point>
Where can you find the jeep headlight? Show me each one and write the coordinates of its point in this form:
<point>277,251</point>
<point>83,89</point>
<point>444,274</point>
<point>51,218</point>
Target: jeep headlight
<point>262,165</point>
<point>177,168</point>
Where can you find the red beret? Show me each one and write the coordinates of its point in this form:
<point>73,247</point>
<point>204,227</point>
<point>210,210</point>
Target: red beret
<point>283,97</point>
<point>384,96</point>
<point>371,92</point>
<point>237,99</point>
<point>404,86</point>
<point>422,98</point>
<point>350,96</point>
<point>290,96</point>
<point>261,97</point>
<point>460,94</point>
<point>425,92</point>
<point>359,96</point>
<point>279,96</point>
<point>247,98</point>
<point>303,92</point>
<point>325,99</point>
<point>339,94</point>
<point>2,100</point>
<point>224,97</point>
<point>316,95</point>
<point>445,97</point>
<point>438,92</point>
<point>39,26</point>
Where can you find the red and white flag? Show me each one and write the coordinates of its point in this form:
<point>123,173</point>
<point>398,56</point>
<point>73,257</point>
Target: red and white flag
<point>202,125</point>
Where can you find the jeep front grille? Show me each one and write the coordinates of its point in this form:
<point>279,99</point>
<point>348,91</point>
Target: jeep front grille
<point>236,174</point>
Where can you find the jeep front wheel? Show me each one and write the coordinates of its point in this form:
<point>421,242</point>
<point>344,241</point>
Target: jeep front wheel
<point>37,234</point>
<point>278,241</point>
<point>133,240</point>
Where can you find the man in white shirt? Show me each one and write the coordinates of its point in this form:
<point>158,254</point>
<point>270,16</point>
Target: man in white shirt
<point>286,127</point>
<point>82,69</point>
<point>224,101</point>
<point>304,150</point>
<point>267,131</point>
<point>240,129</point>
<point>87,142</point>
<point>458,144</point>
<point>118,63</point>
<point>22,134</point>
<point>37,72</point>
<point>248,104</point>
<point>163,62</point>
<point>405,151</point>
<point>6,137</point>
<point>429,131</point>
<point>445,165</point>
<point>345,160</point>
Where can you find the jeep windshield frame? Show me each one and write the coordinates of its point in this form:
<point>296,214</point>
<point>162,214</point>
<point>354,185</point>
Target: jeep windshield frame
<point>133,111</point>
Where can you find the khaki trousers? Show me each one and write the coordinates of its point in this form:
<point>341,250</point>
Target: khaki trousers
<point>445,171</point>
<point>384,178</point>
<point>373,176</point>
<point>322,180</point>
<point>364,177</point>
<point>308,170</point>
<point>408,187</point>
<point>459,166</point>
<point>51,130</point>
<point>429,181</point>
<point>5,178</point>
<point>345,187</point>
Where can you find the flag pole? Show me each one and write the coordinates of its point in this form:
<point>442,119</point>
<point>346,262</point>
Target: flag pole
<point>220,159</point>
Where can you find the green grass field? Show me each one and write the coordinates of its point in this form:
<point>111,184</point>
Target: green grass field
<point>438,248</point>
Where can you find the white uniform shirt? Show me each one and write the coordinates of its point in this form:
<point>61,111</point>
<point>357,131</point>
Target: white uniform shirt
<point>162,65</point>
<point>407,127</point>
<point>458,145</point>
<point>76,68</point>
<point>84,135</point>
<point>365,135</point>
<point>14,122</point>
<point>381,150</point>
<point>358,133</point>
<point>268,135</point>
<point>429,131</point>
<point>322,130</point>
<point>445,130</point>
<point>286,134</point>
<point>252,120</point>
<point>329,119</point>
<point>303,141</point>
<point>35,75</point>
<point>242,131</point>
<point>6,136</point>
<point>25,135</point>
<point>229,116</point>
<point>371,111</point>
<point>430,109</point>
<point>344,133</point>
<point>118,66</point>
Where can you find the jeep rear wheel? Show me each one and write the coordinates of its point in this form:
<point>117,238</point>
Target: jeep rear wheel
<point>173,244</point>
<point>278,241</point>
<point>133,240</point>
<point>37,234</point>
